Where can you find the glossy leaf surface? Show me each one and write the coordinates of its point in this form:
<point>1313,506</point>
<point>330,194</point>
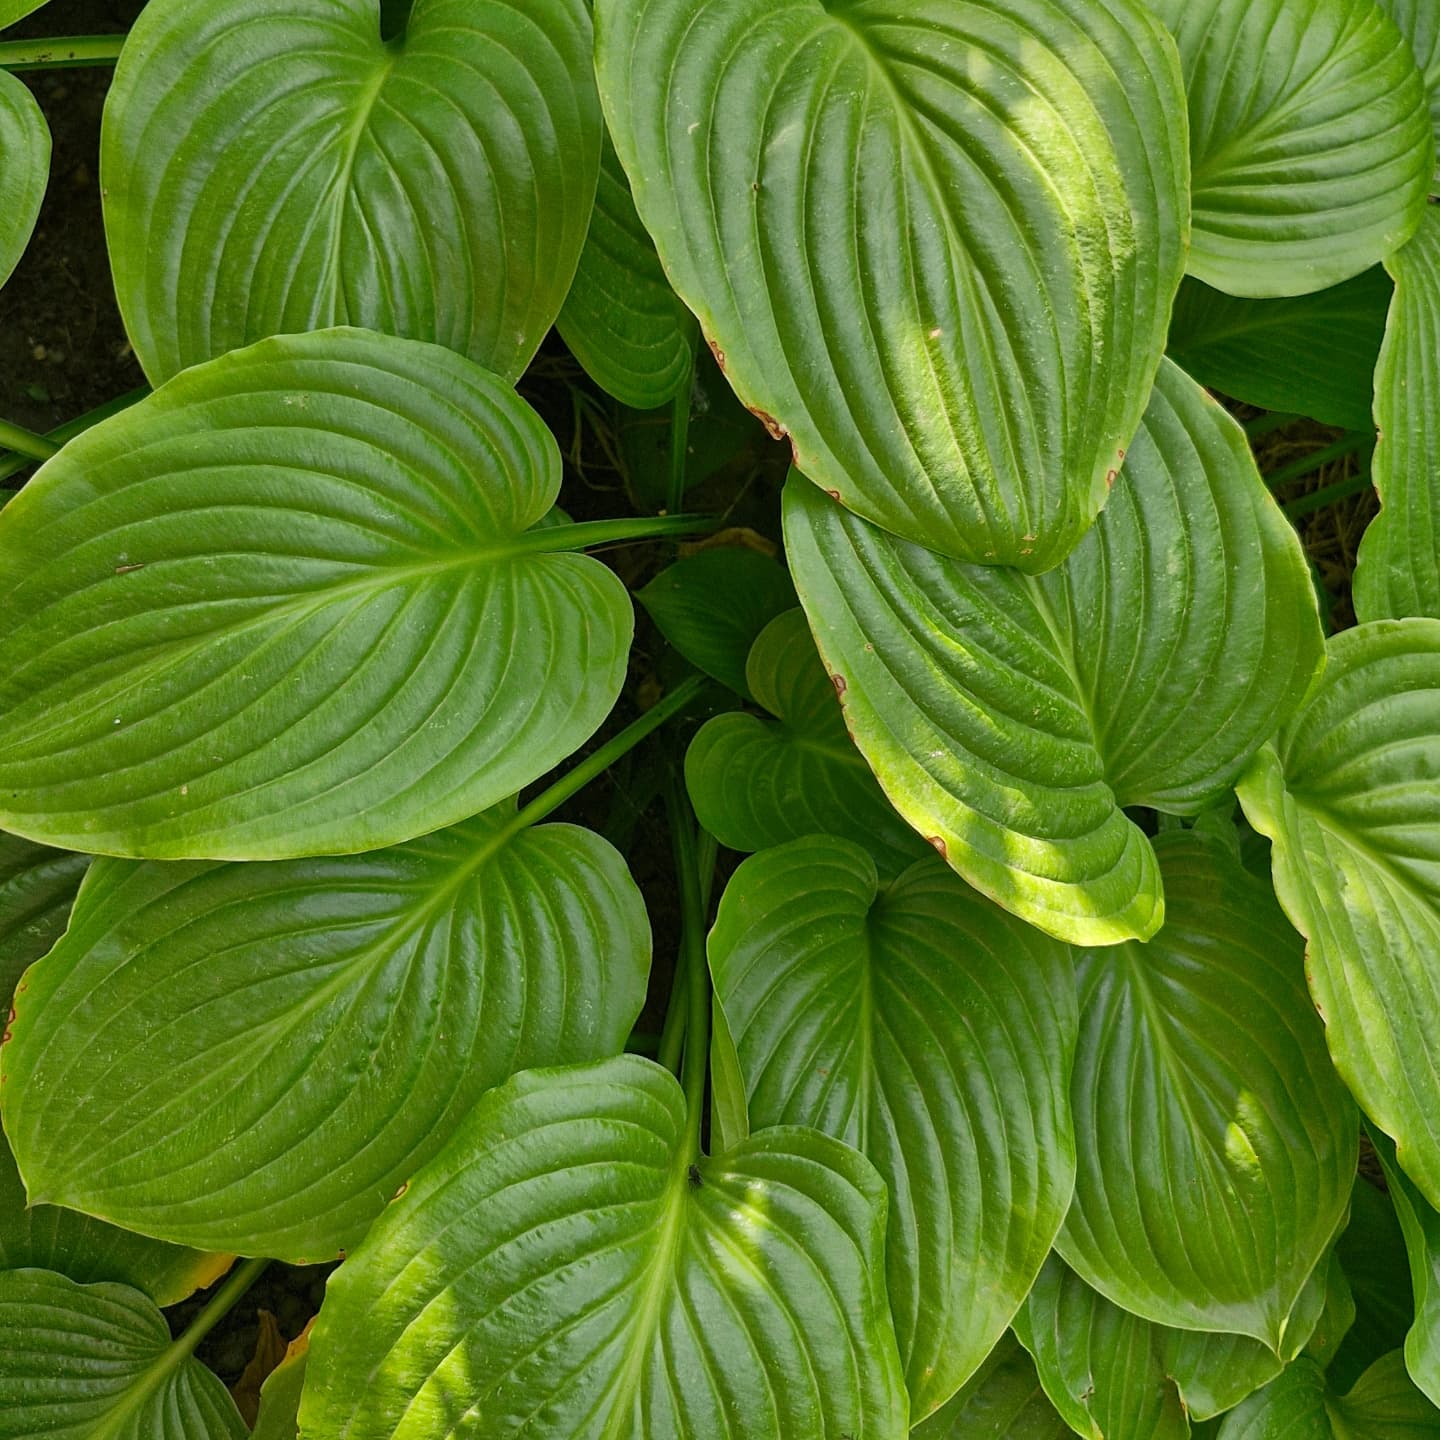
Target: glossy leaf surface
<point>1350,795</point>
<point>967,376</point>
<point>621,320</point>
<point>286,605</point>
<point>561,1272</point>
<point>1216,1147</point>
<point>438,187</point>
<point>757,781</point>
<point>301,1036</point>
<point>922,1024</point>
<point>1397,572</point>
<point>1010,718</point>
<point>37,886</point>
<point>25,172</point>
<point>712,605</point>
<point>1310,144</point>
<point>1003,1400</point>
<point>87,1361</point>
<point>1308,355</point>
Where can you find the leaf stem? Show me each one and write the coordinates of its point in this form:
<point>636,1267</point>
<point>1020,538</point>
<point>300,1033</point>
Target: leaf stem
<point>1319,499</point>
<point>587,534</point>
<point>1264,424</point>
<point>1348,444</point>
<point>219,1305</point>
<point>13,464</point>
<point>26,442</point>
<point>680,439</point>
<point>63,53</point>
<point>672,1037</point>
<point>696,1068</point>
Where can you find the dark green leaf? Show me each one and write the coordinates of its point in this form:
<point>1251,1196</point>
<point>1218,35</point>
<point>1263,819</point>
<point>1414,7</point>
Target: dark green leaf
<point>280,1395</point>
<point>37,885</point>
<point>25,171</point>
<point>286,606</point>
<point>1372,1253</point>
<point>1003,1400</point>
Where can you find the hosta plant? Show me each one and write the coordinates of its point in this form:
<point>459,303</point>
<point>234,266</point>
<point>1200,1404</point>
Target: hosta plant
<point>1028,1024</point>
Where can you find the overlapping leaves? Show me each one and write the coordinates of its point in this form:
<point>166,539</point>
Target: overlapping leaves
<point>860,204</point>
<point>287,606</point>
<point>1011,718</point>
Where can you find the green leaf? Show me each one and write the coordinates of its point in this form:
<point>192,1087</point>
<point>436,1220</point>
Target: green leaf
<point>1310,144</point>
<point>1337,1317</point>
<point>13,10</point>
<point>563,1271</point>
<point>1421,1227</point>
<point>37,886</point>
<point>300,1036</point>
<point>860,204</point>
<point>96,1362</point>
<point>1298,1405</point>
<point>1003,1400</point>
<point>621,320</point>
<point>1397,572</point>
<point>1372,1252</point>
<point>1349,793</point>
<point>1216,1147</point>
<point>438,187</point>
<point>1011,718</point>
<point>934,1032</point>
<point>757,781</point>
<point>25,144</point>
<point>1310,355</point>
<point>729,1111</point>
<point>286,606</point>
<point>46,1237</point>
<point>712,605</point>
<point>281,1392</point>
<point>1115,1376</point>
<point>1419,23</point>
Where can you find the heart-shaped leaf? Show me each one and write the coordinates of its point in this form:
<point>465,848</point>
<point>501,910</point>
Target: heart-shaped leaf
<point>1310,144</point>
<point>25,144</point>
<point>37,886</point>
<point>1420,1224</point>
<point>621,320</point>
<point>1114,1376</point>
<point>757,782</point>
<point>1299,1405</point>
<point>1349,793</point>
<point>300,1036</point>
<point>46,1237</point>
<point>1010,718</point>
<point>82,1362</point>
<point>438,186</point>
<point>860,204</point>
<point>1003,1400</point>
<point>1311,355</point>
<point>564,1271</point>
<point>712,605</point>
<point>934,1032</point>
<point>1419,23</point>
<point>287,605</point>
<point>1397,572</point>
<point>1216,1145</point>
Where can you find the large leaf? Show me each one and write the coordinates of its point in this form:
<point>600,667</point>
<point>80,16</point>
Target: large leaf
<point>564,1271</point>
<point>1011,718</point>
<point>47,1237</point>
<point>37,885</point>
<point>1216,1147</point>
<point>24,169</point>
<point>1397,572</point>
<point>299,1037</point>
<point>621,320</point>
<point>757,781</point>
<point>439,186</point>
<point>1114,1376</point>
<point>1313,354</point>
<point>1419,22</point>
<point>1421,1226</point>
<point>1299,1405</point>
<point>1350,795</point>
<point>931,1030</point>
<point>96,1362</point>
<point>861,202</point>
<point>1003,1400</point>
<point>286,605</point>
<point>1310,144</point>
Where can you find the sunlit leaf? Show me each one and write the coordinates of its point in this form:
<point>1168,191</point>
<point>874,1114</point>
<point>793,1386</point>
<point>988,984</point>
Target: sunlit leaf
<point>1011,718</point>
<point>300,1036</point>
<point>925,1026</point>
<point>286,605</point>
<point>860,203</point>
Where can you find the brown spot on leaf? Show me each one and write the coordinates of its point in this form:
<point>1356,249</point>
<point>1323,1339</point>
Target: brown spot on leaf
<point>940,846</point>
<point>126,569</point>
<point>1110,477</point>
<point>718,353</point>
<point>776,430</point>
<point>838,681</point>
<point>404,1186</point>
<point>833,494</point>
